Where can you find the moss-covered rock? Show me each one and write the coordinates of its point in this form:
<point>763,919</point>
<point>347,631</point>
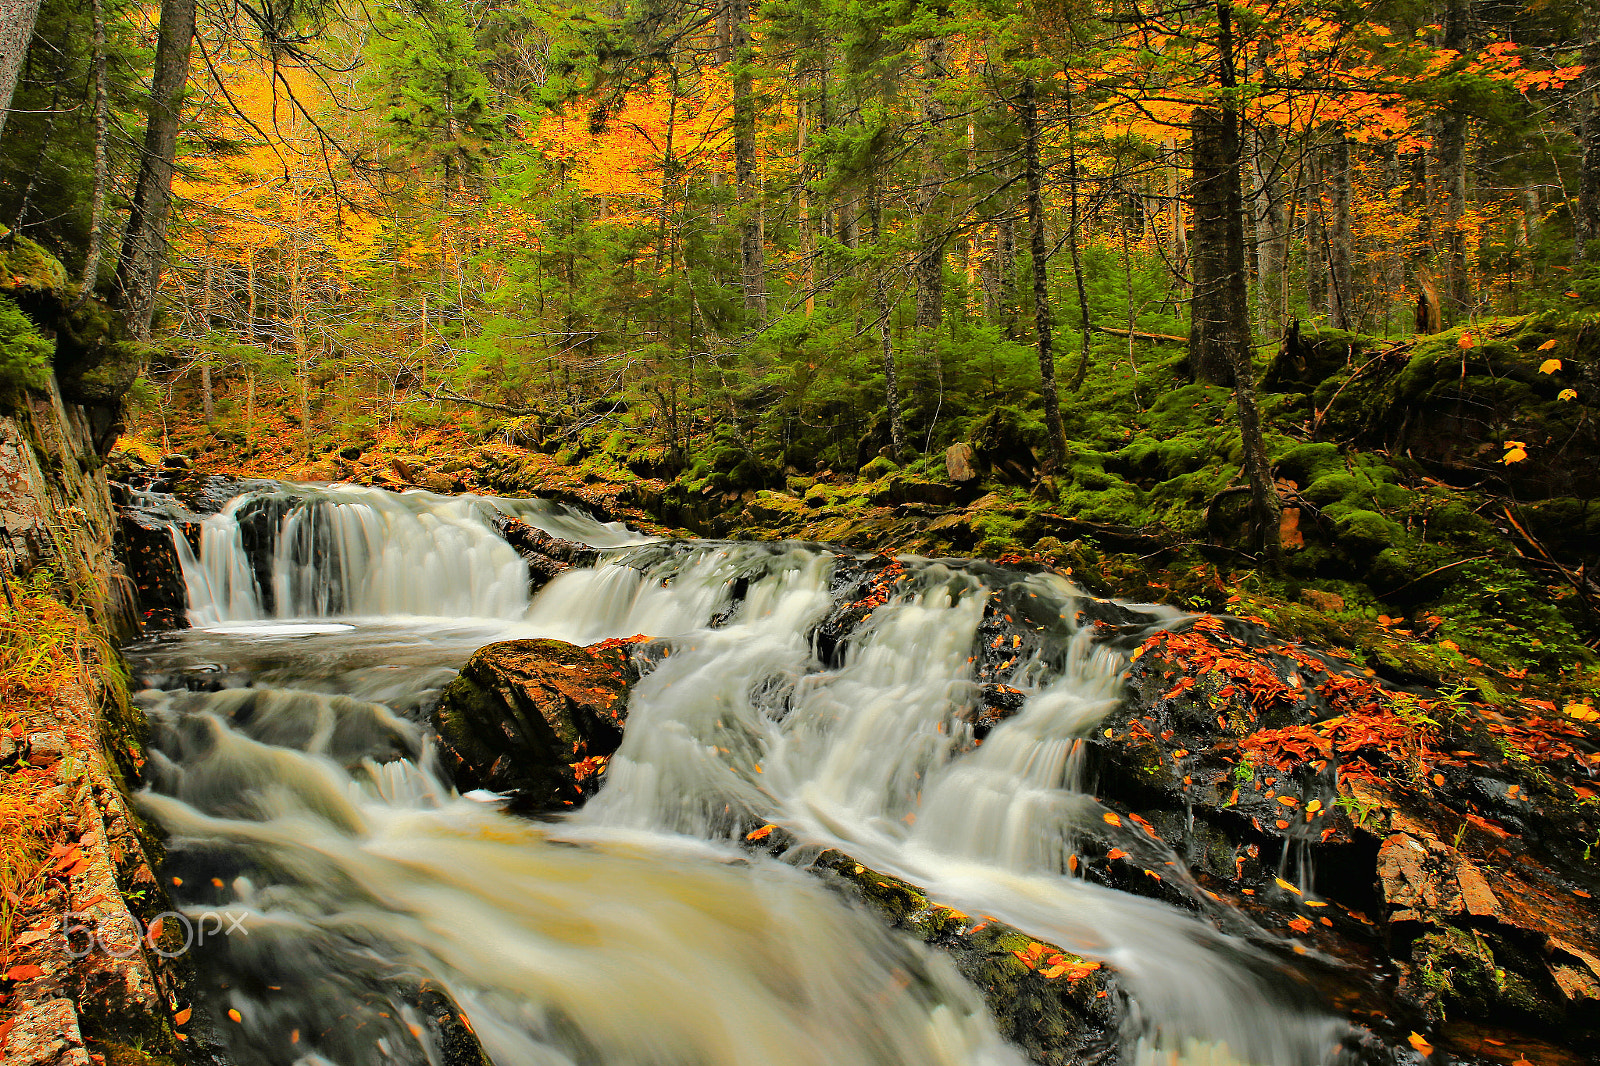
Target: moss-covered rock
<point>523,715</point>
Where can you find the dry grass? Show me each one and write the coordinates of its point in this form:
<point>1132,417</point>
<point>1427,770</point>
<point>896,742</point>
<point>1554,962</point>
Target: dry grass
<point>41,648</point>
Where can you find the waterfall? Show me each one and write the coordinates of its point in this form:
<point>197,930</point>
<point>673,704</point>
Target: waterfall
<point>656,939</point>
<point>342,550</point>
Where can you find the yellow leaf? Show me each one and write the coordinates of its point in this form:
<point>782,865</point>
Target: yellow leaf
<point>1465,341</point>
<point>1550,366</point>
<point>1547,345</point>
<point>1111,819</point>
<point>1422,1046</point>
<point>1286,886</point>
<point>1516,451</point>
<point>1314,806</point>
<point>234,1015</point>
<point>1582,712</point>
<point>1567,394</point>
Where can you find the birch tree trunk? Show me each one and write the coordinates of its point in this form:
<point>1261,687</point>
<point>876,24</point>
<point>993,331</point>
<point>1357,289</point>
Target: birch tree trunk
<point>97,197</point>
<point>17,18</point>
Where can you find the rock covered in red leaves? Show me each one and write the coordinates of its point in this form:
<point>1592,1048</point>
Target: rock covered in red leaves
<point>1361,821</point>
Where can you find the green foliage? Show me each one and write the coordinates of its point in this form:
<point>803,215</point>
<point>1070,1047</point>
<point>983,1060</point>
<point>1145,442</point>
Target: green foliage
<point>428,66</point>
<point>24,354</point>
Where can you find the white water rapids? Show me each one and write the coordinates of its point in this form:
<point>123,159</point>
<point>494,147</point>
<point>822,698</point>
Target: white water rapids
<point>636,931</point>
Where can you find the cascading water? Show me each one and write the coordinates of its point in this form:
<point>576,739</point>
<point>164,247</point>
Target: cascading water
<point>655,939</point>
<point>321,551</point>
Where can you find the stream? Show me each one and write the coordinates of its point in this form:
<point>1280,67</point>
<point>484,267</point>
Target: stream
<point>291,768</point>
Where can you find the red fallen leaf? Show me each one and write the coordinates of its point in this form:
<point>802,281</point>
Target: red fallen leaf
<point>23,972</point>
<point>182,1016</point>
<point>5,1028</point>
<point>68,858</point>
<point>153,934</point>
<point>1300,925</point>
<point>1114,854</point>
<point>760,834</point>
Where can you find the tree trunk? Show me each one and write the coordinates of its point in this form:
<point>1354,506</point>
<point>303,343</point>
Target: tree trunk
<point>17,18</point>
<point>1452,150</point>
<point>891,382</point>
<point>1316,243</point>
<point>752,241</point>
<point>144,243</point>
<point>1219,321</point>
<point>1180,233</point>
<point>1272,230</point>
<point>930,216</point>
<point>97,197</point>
<point>1074,242</point>
<point>1341,297</point>
<point>207,402</point>
<point>1004,267</point>
<point>1028,112</point>
<point>1586,224</point>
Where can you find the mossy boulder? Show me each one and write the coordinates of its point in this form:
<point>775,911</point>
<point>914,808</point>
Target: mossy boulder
<point>1058,1008</point>
<point>523,715</point>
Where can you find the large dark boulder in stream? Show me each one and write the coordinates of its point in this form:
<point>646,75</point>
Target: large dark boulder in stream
<point>536,719</point>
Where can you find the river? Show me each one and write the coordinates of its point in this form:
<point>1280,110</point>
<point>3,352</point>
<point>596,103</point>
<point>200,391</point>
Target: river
<point>291,769</point>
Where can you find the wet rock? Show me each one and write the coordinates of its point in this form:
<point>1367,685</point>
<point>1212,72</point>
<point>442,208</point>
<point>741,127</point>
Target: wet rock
<point>1373,825</point>
<point>1060,1009</point>
<point>535,718</point>
<point>1322,601</point>
<point>545,555</point>
<point>961,461</point>
<point>46,1034</point>
<point>152,561</point>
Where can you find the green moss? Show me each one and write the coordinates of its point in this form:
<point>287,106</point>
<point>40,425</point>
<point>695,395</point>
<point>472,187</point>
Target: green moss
<point>1366,532</point>
<point>1305,463</point>
<point>880,466</point>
